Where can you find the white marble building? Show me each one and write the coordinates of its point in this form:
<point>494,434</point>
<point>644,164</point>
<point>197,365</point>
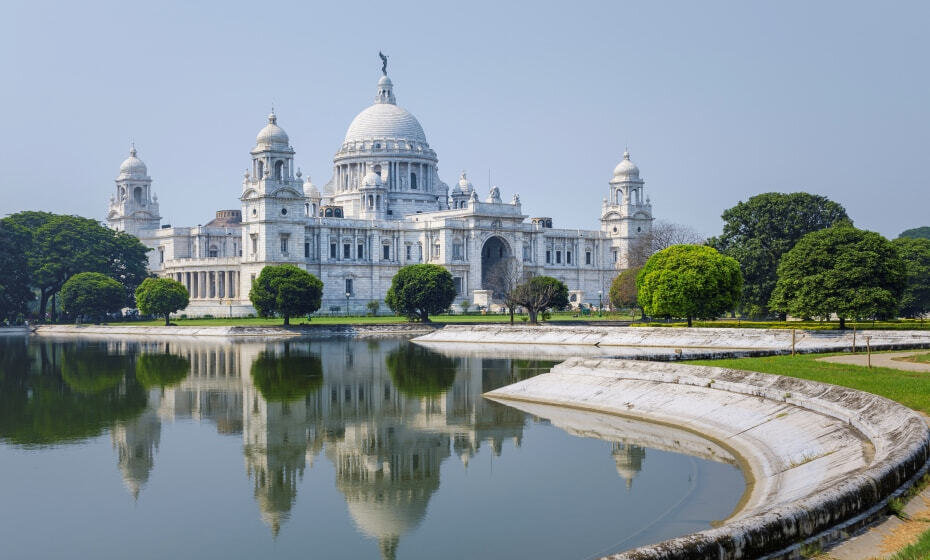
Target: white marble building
<point>385,207</point>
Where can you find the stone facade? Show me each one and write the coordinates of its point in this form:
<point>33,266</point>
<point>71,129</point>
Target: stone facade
<point>385,207</point>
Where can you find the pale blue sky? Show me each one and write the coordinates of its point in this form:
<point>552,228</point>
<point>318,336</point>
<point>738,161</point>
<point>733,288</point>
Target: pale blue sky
<point>717,100</point>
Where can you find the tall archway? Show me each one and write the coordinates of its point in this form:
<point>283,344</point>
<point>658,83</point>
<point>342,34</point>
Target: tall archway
<point>496,266</point>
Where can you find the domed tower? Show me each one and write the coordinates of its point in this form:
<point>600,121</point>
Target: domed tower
<point>134,208</point>
<point>626,216</point>
<point>461,192</point>
<point>387,141</point>
<point>273,199</point>
<point>312,194</point>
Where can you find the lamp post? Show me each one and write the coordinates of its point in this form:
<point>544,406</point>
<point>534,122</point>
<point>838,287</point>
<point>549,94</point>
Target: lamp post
<point>347,302</point>
<point>600,307</point>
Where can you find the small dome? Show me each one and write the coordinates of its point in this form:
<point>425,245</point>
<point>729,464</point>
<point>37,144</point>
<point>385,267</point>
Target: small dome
<point>385,81</point>
<point>133,166</point>
<point>371,180</point>
<point>464,185</point>
<point>310,190</point>
<point>272,136</point>
<point>626,169</point>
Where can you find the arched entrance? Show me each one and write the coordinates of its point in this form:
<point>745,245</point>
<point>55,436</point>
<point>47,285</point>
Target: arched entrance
<point>496,266</point>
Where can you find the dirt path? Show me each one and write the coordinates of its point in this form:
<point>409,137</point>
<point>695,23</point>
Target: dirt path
<point>882,360</point>
<point>889,536</point>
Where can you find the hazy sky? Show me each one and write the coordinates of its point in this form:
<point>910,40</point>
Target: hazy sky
<point>716,101</point>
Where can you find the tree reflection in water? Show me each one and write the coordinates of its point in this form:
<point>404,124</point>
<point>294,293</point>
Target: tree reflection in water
<point>418,372</point>
<point>286,377</point>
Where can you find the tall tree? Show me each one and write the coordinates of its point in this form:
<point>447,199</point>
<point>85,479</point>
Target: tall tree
<point>842,270</point>
<point>759,231</point>
<point>14,270</point>
<point>92,294</point>
<point>540,293</point>
<point>692,281</point>
<point>420,290</point>
<point>287,291</point>
<point>916,233</point>
<point>623,292</point>
<point>162,297</point>
<point>915,252</point>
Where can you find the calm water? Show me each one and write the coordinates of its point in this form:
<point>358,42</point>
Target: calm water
<point>325,449</point>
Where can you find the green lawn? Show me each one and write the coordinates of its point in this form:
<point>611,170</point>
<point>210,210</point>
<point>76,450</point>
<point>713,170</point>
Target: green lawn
<point>919,358</point>
<point>909,388</point>
<point>920,550</point>
<point>902,324</point>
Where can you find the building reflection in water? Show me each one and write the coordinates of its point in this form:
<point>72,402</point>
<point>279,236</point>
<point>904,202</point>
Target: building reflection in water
<point>385,413</point>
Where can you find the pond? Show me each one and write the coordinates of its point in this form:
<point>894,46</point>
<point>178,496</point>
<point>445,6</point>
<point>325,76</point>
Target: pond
<point>335,448</point>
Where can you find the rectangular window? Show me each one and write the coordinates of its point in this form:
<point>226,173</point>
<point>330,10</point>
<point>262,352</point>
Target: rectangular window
<point>568,257</point>
<point>587,257</point>
<point>254,243</point>
<point>360,252</point>
<point>284,244</point>
<point>558,257</point>
<point>615,255</point>
<point>457,282</point>
<point>349,286</point>
<point>386,252</point>
<point>306,250</point>
<point>409,250</point>
<point>332,250</point>
<point>161,254</point>
<point>346,251</point>
<point>548,257</point>
<point>457,251</point>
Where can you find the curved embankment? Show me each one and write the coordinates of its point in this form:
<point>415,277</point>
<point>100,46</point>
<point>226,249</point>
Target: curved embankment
<point>822,460</point>
<point>664,343</point>
<point>240,333</point>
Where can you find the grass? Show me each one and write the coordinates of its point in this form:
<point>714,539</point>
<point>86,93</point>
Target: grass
<point>899,324</point>
<point>920,550</point>
<point>909,388</point>
<point>366,320</point>
<point>918,358</point>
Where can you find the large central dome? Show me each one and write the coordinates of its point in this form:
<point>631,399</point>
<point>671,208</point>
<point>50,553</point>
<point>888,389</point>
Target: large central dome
<point>383,120</point>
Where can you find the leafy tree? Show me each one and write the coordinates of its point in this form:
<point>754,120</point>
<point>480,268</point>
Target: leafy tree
<point>689,281</point>
<point>842,270</point>
<point>91,294</point>
<point>419,372</point>
<point>161,296</point>
<point>466,305</point>
<point>288,377</point>
<point>373,307</point>
<point>759,231</point>
<point>287,291</point>
<point>419,290</point>
<point>14,270</point>
<point>63,246</point>
<point>623,292</point>
<point>916,233</point>
<point>161,370</point>
<point>915,252</point>
<point>540,293</point>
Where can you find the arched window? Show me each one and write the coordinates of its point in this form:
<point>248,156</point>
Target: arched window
<point>338,212</point>
<point>371,201</point>
<point>328,213</point>
<point>413,180</point>
<point>213,252</point>
<point>260,169</point>
<point>137,194</point>
<point>279,170</point>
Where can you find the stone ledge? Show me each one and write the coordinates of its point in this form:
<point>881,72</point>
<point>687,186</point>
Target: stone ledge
<point>823,460</point>
<point>235,332</point>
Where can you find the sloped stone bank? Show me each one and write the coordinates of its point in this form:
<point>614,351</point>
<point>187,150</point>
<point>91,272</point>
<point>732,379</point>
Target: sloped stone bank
<point>823,460</point>
<point>244,333</point>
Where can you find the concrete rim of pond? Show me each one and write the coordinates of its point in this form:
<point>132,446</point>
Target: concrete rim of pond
<point>822,461</point>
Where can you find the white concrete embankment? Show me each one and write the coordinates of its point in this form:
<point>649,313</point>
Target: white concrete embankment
<point>234,332</point>
<point>823,460</point>
<point>658,343</point>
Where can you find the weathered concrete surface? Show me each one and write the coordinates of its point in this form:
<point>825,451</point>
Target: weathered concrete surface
<point>15,331</point>
<point>889,360</point>
<point>298,331</point>
<point>823,460</point>
<point>634,342</point>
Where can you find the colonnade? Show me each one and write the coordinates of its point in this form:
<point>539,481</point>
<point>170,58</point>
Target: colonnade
<point>210,284</point>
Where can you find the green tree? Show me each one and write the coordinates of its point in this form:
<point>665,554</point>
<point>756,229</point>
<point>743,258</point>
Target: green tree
<point>63,246</point>
<point>759,231</point>
<point>842,270</point>
<point>692,281</point>
<point>623,292</point>
<point>161,370</point>
<point>540,293</point>
<point>915,252</point>
<point>287,291</point>
<point>162,297</point>
<point>419,290</point>
<point>91,294</point>
<point>287,377</point>
<point>419,372</point>
<point>916,233</point>
<point>14,271</point>
<point>373,307</point>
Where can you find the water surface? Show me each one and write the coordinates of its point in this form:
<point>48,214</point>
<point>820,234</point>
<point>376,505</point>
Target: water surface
<point>339,448</point>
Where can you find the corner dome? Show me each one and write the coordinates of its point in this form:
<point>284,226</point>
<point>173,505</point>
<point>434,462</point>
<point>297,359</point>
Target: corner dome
<point>272,136</point>
<point>133,167</point>
<point>383,121</point>
<point>371,180</point>
<point>626,169</point>
<point>310,190</point>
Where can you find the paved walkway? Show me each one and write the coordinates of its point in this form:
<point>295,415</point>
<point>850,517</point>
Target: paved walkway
<point>885,359</point>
